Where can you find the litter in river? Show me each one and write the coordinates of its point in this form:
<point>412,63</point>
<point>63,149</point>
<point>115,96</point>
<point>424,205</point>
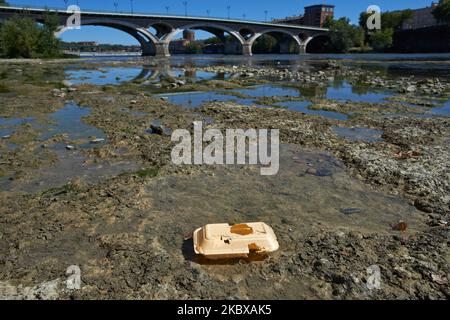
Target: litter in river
<point>222,241</point>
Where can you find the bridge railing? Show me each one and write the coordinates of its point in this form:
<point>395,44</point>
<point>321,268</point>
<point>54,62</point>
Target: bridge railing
<point>128,13</point>
<point>143,14</point>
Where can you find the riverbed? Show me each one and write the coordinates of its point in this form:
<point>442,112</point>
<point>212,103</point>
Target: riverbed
<point>86,176</point>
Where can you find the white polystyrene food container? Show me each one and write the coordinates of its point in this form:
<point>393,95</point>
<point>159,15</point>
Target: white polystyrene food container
<point>220,241</point>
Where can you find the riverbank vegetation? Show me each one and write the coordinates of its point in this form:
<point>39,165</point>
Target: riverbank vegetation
<point>442,11</point>
<point>382,40</point>
<point>343,35</point>
<point>22,37</point>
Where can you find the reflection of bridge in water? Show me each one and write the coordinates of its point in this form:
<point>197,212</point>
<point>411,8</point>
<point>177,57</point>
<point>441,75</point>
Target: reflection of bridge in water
<point>238,36</point>
<point>151,73</point>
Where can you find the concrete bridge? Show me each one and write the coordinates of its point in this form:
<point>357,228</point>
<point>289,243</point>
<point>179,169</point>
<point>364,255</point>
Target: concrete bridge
<point>155,32</point>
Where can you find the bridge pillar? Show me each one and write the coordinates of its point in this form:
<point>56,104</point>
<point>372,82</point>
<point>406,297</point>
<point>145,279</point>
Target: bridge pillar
<point>247,49</point>
<point>146,45</point>
<point>147,50</point>
<point>304,44</point>
<point>302,49</point>
<point>162,49</point>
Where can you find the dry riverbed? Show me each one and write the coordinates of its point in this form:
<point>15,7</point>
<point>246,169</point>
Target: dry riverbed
<point>86,180</point>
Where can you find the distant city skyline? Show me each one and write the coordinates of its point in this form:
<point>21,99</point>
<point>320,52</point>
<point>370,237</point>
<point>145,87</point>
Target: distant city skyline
<point>236,9</point>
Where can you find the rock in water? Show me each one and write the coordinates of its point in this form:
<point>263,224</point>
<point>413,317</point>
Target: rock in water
<point>349,211</point>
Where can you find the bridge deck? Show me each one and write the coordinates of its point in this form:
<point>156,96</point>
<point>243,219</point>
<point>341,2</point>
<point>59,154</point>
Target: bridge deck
<point>35,10</point>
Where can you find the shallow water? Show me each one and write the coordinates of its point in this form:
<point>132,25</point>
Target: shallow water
<point>195,74</point>
<point>70,165</point>
<point>8,125</point>
<point>196,99</point>
<point>358,134</point>
<point>183,66</point>
<point>103,76</point>
<point>303,106</point>
<point>345,91</point>
<point>118,75</point>
<point>311,187</point>
<point>441,110</point>
<point>69,120</point>
<point>269,91</point>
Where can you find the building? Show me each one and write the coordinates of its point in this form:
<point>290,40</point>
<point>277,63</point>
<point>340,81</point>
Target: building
<point>179,46</point>
<point>422,18</point>
<point>315,16</point>
<point>189,35</point>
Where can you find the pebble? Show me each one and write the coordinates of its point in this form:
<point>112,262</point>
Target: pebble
<point>97,141</point>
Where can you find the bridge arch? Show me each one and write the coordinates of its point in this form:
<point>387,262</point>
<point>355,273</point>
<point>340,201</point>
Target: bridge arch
<point>316,43</point>
<point>213,28</point>
<point>284,38</point>
<point>235,46</point>
<point>161,29</point>
<point>145,38</point>
<point>247,33</point>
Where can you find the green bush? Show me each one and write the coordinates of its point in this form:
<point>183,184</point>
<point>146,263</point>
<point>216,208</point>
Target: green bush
<point>442,11</point>
<point>265,44</point>
<point>22,37</point>
<point>382,39</point>
<point>193,48</point>
<point>343,35</point>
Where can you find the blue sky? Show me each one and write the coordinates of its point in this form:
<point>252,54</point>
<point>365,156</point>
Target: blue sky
<point>253,9</point>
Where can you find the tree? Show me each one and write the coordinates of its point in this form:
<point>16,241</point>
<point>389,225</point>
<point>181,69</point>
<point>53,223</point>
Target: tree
<point>343,35</point>
<point>3,3</point>
<point>265,44</point>
<point>22,37</point>
<point>382,39</point>
<point>48,44</point>
<point>390,22</point>
<point>193,48</point>
<point>395,19</point>
<point>442,11</point>
<point>19,37</point>
<point>213,40</point>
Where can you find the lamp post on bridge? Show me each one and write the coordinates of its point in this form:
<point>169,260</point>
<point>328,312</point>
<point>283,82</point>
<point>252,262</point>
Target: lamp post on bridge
<point>208,12</point>
<point>116,5</point>
<point>185,3</point>
<point>131,5</point>
<point>167,10</point>
<point>265,13</point>
<point>228,9</point>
